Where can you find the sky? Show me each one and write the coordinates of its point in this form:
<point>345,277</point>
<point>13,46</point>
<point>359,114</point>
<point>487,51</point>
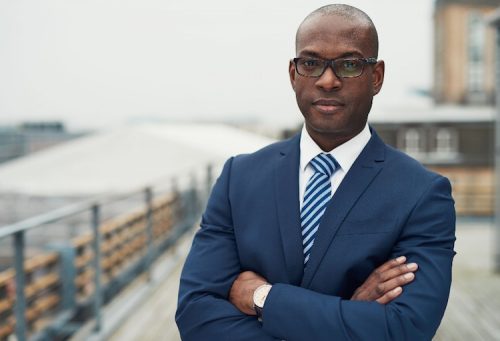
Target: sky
<point>100,63</point>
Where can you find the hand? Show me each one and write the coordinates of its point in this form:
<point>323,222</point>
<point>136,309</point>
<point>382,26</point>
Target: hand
<point>241,294</point>
<point>385,283</point>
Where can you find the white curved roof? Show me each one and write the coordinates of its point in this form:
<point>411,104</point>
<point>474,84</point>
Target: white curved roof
<point>124,159</point>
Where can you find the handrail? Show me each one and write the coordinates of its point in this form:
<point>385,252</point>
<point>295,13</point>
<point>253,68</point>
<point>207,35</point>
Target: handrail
<point>67,211</point>
<point>17,232</point>
<point>47,218</point>
<point>75,208</point>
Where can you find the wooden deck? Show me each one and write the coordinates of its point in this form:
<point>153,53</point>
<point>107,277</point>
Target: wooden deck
<point>473,311</point>
<point>154,320</point>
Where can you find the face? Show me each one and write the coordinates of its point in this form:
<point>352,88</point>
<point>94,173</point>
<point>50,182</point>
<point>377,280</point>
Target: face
<point>335,109</point>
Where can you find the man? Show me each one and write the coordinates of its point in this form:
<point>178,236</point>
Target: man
<point>296,233</point>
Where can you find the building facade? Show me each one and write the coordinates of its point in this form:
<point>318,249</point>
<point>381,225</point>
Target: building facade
<point>464,52</point>
<point>464,74</point>
<point>452,144</point>
<point>30,137</point>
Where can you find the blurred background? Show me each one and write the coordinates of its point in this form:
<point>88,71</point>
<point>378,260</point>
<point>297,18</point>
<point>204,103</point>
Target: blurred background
<point>116,116</point>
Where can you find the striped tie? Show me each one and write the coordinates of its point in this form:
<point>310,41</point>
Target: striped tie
<point>316,197</point>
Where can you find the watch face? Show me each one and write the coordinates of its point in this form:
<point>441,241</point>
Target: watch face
<point>260,294</point>
<point>259,301</point>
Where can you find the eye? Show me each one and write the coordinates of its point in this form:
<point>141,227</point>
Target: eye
<point>350,64</point>
<point>311,63</point>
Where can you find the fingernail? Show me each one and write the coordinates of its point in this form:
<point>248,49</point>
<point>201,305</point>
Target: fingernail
<point>401,259</point>
<point>397,290</point>
<point>412,266</point>
<point>409,276</point>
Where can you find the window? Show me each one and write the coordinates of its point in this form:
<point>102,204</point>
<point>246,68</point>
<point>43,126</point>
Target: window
<point>476,45</point>
<point>412,141</point>
<point>446,142</point>
<point>445,149</point>
<point>443,141</point>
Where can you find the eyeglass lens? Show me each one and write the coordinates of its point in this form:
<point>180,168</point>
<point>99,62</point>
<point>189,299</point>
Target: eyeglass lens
<point>344,68</point>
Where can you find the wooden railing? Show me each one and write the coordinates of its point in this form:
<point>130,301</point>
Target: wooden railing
<point>124,242</point>
<point>473,190</point>
<point>62,288</point>
<point>42,282</point>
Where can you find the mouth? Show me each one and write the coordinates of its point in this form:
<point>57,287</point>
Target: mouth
<point>327,106</point>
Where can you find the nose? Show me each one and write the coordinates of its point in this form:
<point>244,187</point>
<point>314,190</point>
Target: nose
<point>329,81</point>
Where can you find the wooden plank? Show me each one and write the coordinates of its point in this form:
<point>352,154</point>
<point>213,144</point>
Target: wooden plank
<point>41,260</point>
<point>6,276</point>
<point>474,305</point>
<point>82,241</point>
<point>40,284</point>
<point>6,330</point>
<point>84,259</point>
<point>6,304</point>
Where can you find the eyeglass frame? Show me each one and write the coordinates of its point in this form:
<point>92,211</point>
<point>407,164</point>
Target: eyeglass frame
<point>330,63</point>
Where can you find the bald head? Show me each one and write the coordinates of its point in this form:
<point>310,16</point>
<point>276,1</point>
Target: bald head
<point>352,14</point>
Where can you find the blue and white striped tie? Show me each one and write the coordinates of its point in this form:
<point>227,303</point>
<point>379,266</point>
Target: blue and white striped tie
<point>316,197</point>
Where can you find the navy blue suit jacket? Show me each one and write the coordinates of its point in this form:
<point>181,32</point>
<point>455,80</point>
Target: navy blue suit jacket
<point>388,205</point>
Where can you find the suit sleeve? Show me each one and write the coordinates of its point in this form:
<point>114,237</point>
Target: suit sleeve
<point>427,238</point>
<point>204,312</point>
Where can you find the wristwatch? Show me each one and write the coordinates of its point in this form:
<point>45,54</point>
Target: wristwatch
<point>259,297</point>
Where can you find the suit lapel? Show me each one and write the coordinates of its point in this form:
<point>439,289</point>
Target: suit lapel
<point>286,177</point>
<point>363,171</point>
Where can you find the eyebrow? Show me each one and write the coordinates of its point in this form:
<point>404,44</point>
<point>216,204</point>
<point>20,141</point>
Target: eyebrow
<point>307,53</point>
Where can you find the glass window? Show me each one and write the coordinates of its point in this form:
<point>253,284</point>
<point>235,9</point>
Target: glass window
<point>476,45</point>
<point>446,141</point>
<point>412,141</point>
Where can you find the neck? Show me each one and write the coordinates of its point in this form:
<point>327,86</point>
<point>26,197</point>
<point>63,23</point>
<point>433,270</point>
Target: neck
<point>329,141</point>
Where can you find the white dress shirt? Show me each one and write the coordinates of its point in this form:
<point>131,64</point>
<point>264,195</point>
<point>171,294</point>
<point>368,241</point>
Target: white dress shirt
<point>345,154</point>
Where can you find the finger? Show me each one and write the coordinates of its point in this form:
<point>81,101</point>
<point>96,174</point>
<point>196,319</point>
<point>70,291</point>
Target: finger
<point>399,281</point>
<point>391,295</point>
<point>377,275</point>
<point>396,271</point>
<point>382,289</point>
<point>391,263</point>
<point>376,289</point>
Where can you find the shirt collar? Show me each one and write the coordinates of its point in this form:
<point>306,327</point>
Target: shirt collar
<point>345,154</point>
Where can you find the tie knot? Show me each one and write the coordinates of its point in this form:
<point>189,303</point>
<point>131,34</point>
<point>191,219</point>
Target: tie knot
<point>324,163</point>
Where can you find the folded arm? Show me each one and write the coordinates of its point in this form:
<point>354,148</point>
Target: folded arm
<point>383,285</point>
<point>294,313</point>
<point>205,312</point>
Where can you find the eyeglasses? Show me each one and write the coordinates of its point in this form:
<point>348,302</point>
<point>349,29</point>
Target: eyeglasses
<point>342,67</point>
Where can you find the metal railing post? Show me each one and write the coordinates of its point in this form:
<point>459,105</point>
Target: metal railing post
<point>20,306</point>
<point>98,296</point>
<point>496,247</point>
<point>179,199</point>
<point>67,255</point>
<point>193,197</point>
<point>209,180</point>
<point>149,231</point>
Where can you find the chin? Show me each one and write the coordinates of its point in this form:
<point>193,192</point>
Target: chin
<point>327,126</point>
<point>327,130</point>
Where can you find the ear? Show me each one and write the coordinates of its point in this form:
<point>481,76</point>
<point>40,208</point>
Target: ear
<point>291,72</point>
<point>378,76</point>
